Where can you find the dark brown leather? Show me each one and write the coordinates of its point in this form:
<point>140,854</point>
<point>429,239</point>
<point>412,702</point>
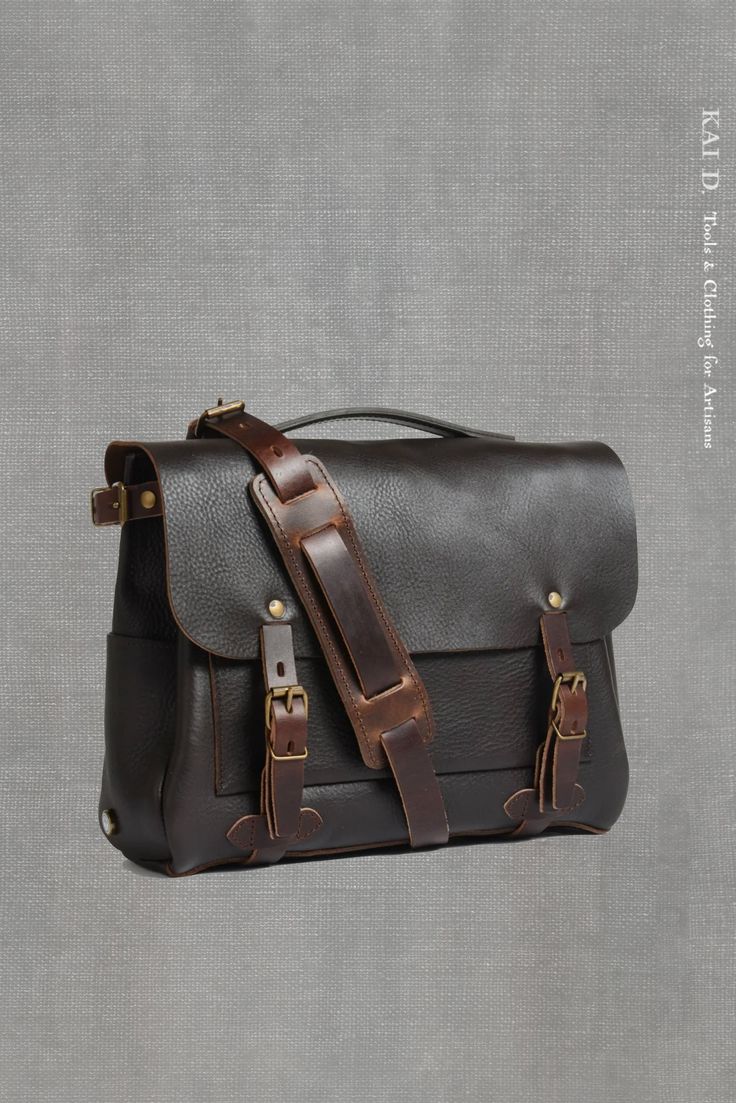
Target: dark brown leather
<point>569,719</point>
<point>282,777</point>
<point>359,806</point>
<point>387,415</point>
<point>105,507</point>
<point>474,731</point>
<point>459,565</point>
<point>389,693</point>
<point>417,784</point>
<point>376,661</point>
<point>555,791</point>
<point>276,454</point>
<point>463,572</point>
<point>286,734</point>
<point>250,833</point>
<point>106,503</point>
<point>290,523</point>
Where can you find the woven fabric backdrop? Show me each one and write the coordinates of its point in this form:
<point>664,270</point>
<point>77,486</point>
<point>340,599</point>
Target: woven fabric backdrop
<point>490,212</point>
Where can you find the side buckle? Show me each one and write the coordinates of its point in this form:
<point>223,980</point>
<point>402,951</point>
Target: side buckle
<point>120,504</point>
<point>575,679</point>
<point>287,694</point>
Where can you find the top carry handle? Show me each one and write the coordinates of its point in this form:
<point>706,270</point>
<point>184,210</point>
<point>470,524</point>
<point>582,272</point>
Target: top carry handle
<point>394,417</point>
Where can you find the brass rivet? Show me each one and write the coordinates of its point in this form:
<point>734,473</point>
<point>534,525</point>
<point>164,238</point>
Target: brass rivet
<point>148,499</point>
<point>554,599</point>
<point>108,822</point>
<point>276,608</point>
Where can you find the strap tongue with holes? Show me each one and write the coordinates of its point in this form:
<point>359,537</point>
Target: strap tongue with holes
<point>282,779</point>
<point>556,791</point>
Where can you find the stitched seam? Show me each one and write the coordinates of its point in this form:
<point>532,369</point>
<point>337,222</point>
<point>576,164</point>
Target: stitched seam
<point>316,824</point>
<point>237,834</point>
<point>403,656</point>
<point>214,695</point>
<point>315,568</point>
<point>524,802</point>
<point>258,482</point>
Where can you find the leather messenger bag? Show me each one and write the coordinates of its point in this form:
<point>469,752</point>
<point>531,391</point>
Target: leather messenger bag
<point>325,646</point>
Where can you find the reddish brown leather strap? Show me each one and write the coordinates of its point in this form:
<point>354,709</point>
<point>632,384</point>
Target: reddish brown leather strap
<point>417,784</point>
<point>276,454</point>
<point>282,778</point>
<point>555,792</point>
<point>569,713</point>
<point>250,833</point>
<point>286,732</point>
<point>375,659</point>
<point>293,522</point>
<point>371,668</point>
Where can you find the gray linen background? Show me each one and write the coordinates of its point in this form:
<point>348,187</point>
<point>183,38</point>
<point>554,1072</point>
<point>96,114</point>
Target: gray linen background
<point>485,211</point>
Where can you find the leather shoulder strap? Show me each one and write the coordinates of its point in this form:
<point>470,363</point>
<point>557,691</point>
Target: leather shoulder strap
<point>372,670</point>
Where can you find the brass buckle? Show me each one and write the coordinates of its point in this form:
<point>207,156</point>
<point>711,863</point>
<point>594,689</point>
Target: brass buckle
<point>287,693</point>
<point>121,505</point>
<point>222,409</point>
<point>573,678</point>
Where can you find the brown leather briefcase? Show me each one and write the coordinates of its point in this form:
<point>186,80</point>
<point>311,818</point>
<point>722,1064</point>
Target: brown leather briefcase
<point>325,646</point>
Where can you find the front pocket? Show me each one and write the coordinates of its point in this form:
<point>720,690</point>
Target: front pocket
<point>489,707</point>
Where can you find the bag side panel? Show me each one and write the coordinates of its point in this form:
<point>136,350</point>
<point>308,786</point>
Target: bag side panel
<point>140,688</point>
<point>140,693</point>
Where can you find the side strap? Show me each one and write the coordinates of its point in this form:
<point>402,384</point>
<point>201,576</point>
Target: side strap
<point>555,792</point>
<point>372,670</point>
<point>282,779</point>
<point>116,504</point>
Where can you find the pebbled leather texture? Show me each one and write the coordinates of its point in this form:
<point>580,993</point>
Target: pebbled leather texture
<point>490,712</point>
<point>478,764</point>
<point>140,724</point>
<point>466,538</point>
<point>372,670</point>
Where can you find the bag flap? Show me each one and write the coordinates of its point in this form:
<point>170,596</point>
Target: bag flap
<point>466,538</point>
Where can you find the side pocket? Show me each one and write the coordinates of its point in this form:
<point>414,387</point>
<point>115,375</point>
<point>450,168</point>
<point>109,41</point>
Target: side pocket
<point>140,704</point>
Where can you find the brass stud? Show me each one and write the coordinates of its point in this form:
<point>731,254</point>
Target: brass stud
<point>554,599</point>
<point>276,608</point>
<point>108,822</point>
<point>148,499</point>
